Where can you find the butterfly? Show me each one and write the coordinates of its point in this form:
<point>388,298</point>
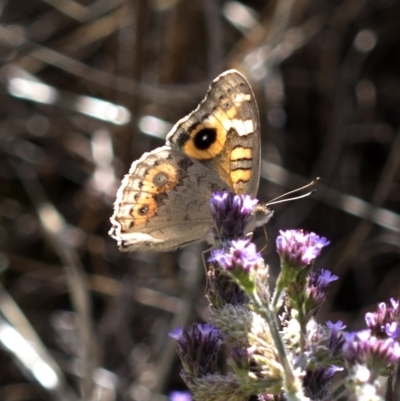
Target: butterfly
<point>163,202</point>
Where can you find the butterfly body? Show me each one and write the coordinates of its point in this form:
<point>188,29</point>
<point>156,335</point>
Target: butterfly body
<point>163,203</point>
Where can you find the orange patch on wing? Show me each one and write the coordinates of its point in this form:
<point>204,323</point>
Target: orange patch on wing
<point>240,175</point>
<point>145,208</point>
<point>210,123</point>
<point>240,153</point>
<point>169,174</point>
<point>220,121</point>
<point>230,113</point>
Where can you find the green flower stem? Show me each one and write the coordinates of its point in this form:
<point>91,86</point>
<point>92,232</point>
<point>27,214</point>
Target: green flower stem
<point>303,330</point>
<point>276,297</point>
<point>287,276</point>
<point>292,386</point>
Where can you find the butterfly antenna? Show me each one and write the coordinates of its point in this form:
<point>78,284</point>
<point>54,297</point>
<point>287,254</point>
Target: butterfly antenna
<point>279,199</point>
<point>266,239</point>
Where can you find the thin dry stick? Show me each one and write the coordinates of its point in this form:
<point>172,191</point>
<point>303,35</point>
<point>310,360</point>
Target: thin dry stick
<point>53,226</point>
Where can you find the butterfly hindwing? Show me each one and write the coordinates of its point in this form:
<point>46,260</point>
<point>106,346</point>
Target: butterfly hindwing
<point>163,203</point>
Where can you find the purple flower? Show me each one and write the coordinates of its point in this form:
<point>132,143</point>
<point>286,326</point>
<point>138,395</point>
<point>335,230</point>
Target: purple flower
<point>231,213</point>
<point>363,348</point>
<point>298,249</point>
<point>335,328</point>
<point>317,284</point>
<point>336,340</point>
<point>241,255</point>
<point>395,305</point>
<point>224,202</point>
<point>324,278</point>
<point>383,323</point>
<point>180,396</point>
<point>177,334</point>
<point>392,330</point>
<point>198,348</point>
<point>222,290</point>
<point>316,383</point>
<point>241,358</point>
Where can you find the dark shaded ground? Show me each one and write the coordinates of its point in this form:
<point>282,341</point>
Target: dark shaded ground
<point>327,79</point>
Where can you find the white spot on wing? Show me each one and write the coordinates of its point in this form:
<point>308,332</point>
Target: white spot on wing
<point>228,124</point>
<point>243,97</point>
<point>243,127</point>
<point>249,126</point>
<point>134,238</point>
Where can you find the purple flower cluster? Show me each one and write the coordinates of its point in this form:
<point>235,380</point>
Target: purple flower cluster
<point>298,249</point>
<point>198,348</point>
<point>363,348</point>
<point>237,254</point>
<point>383,323</point>
<point>238,277</point>
<point>231,214</point>
<point>240,255</point>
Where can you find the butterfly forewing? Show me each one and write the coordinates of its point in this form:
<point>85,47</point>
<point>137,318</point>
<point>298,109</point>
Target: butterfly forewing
<point>223,132</point>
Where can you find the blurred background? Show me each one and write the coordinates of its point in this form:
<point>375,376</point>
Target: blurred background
<point>87,86</point>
